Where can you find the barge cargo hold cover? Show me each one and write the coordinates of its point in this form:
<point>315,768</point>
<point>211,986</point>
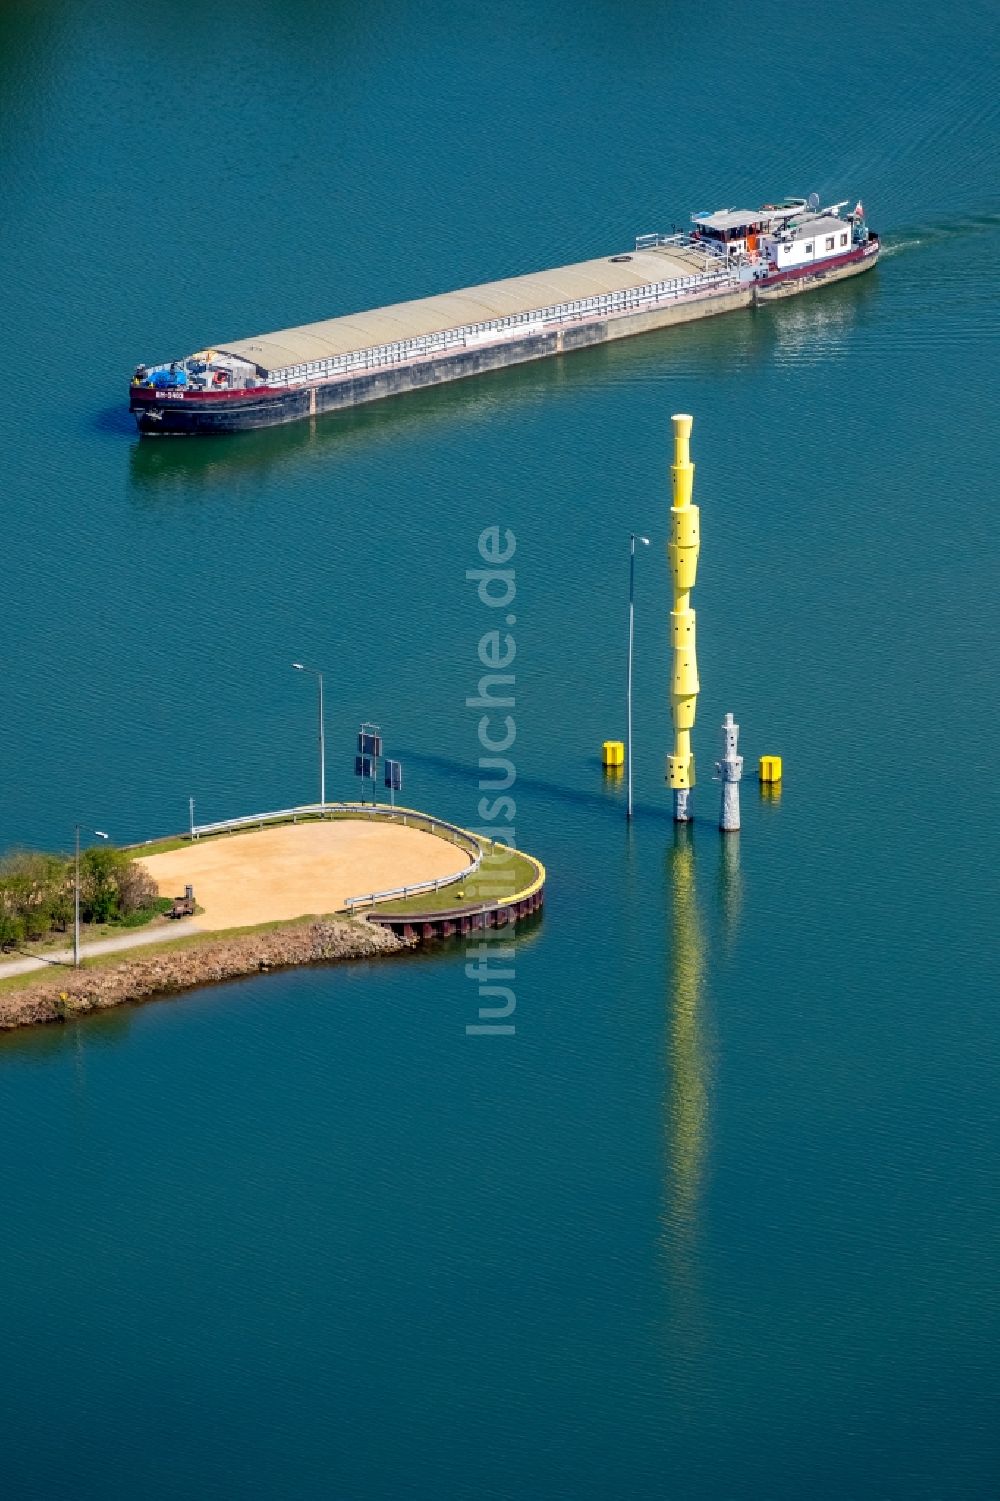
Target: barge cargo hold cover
<point>728,261</point>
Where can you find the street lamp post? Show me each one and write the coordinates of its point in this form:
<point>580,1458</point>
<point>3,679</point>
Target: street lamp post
<point>76,896</point>
<point>633,538</point>
<point>301,667</point>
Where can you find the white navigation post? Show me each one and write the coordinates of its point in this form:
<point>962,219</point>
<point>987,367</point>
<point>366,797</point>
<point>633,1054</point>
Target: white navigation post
<point>730,768</point>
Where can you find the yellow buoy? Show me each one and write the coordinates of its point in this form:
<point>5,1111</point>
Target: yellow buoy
<point>770,768</point>
<point>613,753</point>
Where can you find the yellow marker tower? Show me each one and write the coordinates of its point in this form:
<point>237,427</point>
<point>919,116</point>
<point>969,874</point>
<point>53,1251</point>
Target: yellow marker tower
<point>682,551</point>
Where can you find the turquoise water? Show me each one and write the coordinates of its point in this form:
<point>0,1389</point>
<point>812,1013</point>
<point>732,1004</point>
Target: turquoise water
<point>717,1220</point>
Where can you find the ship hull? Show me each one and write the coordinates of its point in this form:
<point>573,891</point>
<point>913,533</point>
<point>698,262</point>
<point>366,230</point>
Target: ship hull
<point>161,414</point>
<point>790,283</point>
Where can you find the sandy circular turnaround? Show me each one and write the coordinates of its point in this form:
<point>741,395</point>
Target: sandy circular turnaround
<point>295,870</point>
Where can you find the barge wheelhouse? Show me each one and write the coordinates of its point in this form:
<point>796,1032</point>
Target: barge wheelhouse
<point>788,241</point>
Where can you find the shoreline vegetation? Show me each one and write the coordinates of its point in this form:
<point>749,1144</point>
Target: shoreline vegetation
<point>188,964</point>
<point>37,895</point>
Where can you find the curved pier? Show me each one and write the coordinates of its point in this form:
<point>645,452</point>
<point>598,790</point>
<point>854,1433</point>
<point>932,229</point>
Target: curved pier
<point>429,926</point>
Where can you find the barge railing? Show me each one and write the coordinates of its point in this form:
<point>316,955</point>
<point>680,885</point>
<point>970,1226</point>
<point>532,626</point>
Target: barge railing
<point>717,275</point>
<point>681,241</point>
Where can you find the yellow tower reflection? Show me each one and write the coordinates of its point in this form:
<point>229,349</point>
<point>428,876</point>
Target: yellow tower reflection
<point>688,1072</point>
<point>688,1096</point>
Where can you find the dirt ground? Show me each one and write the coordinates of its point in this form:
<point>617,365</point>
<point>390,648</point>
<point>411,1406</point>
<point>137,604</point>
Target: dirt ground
<point>299,869</point>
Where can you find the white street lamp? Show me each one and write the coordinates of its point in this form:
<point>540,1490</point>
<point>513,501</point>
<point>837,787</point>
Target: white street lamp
<point>301,667</point>
<point>76,896</point>
<point>633,538</point>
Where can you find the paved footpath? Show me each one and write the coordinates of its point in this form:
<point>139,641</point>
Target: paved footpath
<point>63,958</point>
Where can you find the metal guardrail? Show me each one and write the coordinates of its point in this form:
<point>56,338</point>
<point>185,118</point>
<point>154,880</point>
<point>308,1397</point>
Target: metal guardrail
<point>461,837</point>
<point>499,904</point>
<point>326,810</point>
<point>391,893</point>
<point>409,817</point>
<point>280,815</point>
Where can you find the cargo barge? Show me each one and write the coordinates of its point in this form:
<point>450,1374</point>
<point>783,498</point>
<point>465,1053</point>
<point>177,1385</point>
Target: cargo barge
<point>733,258</point>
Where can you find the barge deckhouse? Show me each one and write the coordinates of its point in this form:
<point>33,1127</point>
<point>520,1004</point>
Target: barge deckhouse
<point>729,259</point>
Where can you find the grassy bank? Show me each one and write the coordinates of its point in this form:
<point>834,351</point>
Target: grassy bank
<point>92,932</point>
<point>502,874</point>
<point>185,939</point>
